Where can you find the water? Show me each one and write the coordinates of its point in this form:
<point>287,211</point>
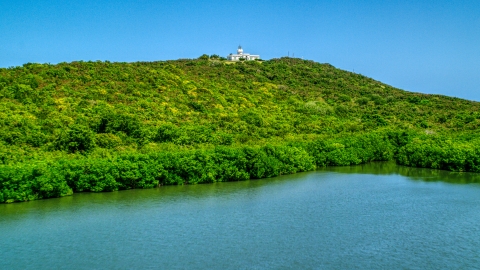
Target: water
<point>377,216</point>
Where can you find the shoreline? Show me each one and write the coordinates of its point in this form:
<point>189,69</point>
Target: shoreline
<point>47,179</point>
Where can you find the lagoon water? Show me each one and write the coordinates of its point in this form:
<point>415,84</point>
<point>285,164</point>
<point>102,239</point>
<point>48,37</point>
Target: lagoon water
<point>375,216</point>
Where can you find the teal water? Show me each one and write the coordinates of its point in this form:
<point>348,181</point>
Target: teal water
<point>376,216</point>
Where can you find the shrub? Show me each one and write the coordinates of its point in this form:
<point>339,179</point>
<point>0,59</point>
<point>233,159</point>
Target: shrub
<point>107,140</point>
<point>362,101</point>
<point>77,138</point>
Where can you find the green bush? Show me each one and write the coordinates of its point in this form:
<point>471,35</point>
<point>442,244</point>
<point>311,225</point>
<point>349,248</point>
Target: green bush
<point>77,138</point>
<point>107,140</point>
<point>362,101</point>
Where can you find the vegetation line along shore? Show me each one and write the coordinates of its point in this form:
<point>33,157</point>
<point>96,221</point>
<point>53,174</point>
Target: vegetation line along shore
<point>102,126</point>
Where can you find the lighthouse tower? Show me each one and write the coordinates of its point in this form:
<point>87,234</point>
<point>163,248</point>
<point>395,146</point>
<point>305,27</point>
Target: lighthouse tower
<point>242,56</point>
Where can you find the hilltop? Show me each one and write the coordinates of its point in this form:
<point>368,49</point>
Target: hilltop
<point>74,116</point>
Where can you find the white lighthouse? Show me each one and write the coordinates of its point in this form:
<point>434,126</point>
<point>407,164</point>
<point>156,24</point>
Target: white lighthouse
<point>241,55</point>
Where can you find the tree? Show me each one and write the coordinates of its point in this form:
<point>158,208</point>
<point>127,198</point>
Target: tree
<point>78,138</point>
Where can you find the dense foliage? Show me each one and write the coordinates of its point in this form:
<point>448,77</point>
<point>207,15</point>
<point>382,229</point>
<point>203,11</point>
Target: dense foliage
<point>101,126</point>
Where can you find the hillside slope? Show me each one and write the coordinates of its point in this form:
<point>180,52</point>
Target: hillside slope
<point>96,112</point>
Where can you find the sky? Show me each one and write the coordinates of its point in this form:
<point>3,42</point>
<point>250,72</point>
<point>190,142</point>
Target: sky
<point>419,46</point>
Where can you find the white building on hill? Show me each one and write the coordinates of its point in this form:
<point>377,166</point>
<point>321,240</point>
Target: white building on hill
<point>241,55</point>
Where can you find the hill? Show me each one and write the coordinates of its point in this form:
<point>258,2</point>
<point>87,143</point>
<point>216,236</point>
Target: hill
<point>99,126</point>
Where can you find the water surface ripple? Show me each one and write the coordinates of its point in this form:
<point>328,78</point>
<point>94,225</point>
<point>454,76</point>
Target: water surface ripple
<point>377,216</point>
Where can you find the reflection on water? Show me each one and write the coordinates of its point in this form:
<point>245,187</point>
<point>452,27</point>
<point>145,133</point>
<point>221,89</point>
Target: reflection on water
<point>375,216</point>
<point>422,174</point>
<point>164,194</point>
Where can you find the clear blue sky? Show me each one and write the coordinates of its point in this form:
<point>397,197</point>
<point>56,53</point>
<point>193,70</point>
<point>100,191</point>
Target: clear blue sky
<point>420,46</point>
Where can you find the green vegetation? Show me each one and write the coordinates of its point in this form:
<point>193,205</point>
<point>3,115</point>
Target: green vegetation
<point>101,126</point>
